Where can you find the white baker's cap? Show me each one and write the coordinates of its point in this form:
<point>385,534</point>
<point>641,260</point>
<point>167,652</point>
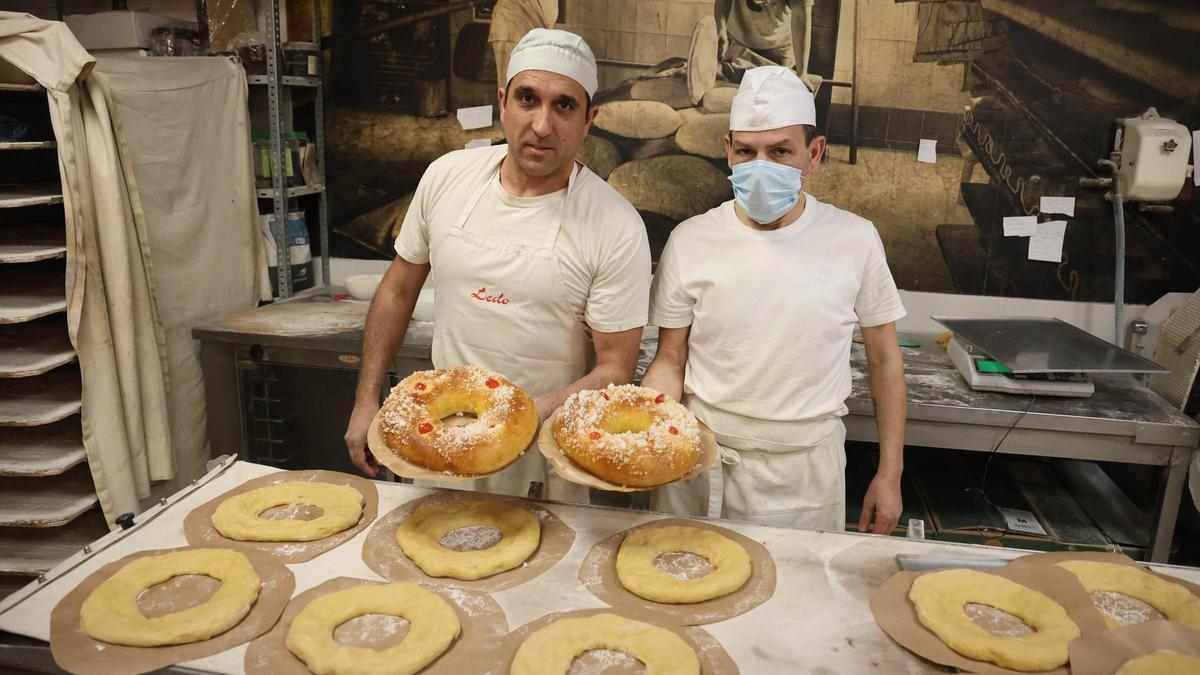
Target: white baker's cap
<point>771,97</point>
<point>555,51</point>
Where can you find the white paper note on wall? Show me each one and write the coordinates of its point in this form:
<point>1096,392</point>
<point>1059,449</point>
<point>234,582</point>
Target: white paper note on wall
<point>478,143</point>
<point>1196,157</point>
<point>1047,241</point>
<point>1019,226</point>
<point>475,118</point>
<point>1063,205</point>
<point>927,151</point>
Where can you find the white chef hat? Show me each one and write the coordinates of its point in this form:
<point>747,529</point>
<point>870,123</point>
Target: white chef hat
<point>555,51</point>
<point>771,97</point>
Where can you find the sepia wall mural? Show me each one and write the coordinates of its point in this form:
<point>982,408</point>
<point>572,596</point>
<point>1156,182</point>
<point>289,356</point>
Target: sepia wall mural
<point>1020,96</point>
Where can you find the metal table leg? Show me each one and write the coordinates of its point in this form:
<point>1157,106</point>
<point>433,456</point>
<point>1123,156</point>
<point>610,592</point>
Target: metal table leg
<point>1168,503</point>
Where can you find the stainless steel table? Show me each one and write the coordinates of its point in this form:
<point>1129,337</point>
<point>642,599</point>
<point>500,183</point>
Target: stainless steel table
<point>1122,422</point>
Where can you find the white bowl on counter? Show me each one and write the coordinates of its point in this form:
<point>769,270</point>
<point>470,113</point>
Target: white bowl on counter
<point>363,286</point>
<point>423,311</point>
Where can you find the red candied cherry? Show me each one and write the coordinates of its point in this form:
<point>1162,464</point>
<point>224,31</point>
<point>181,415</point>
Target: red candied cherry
<point>673,430</point>
<point>425,427</point>
<point>492,384</point>
<point>660,398</point>
<point>595,435</point>
<point>420,386</point>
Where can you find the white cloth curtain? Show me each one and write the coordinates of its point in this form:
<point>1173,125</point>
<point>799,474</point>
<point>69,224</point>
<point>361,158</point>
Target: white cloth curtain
<point>184,125</point>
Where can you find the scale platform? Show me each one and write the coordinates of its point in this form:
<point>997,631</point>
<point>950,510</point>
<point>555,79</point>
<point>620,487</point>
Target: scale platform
<point>1035,356</point>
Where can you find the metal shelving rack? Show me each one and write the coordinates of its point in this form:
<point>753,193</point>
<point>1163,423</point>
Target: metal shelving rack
<point>279,194</point>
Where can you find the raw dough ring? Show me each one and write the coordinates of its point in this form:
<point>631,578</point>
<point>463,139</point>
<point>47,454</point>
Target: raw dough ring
<point>240,516</point>
<point>433,626</point>
<point>940,599</point>
<point>639,549</point>
<point>1161,661</point>
<point>420,537</point>
<point>1173,600</point>
<point>550,650</point>
<point>111,614</point>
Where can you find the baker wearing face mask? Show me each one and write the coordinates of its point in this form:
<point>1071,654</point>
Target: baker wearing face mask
<point>756,303</point>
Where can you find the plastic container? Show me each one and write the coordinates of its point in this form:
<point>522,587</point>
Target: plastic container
<point>423,311</point>
<point>301,158</point>
<point>299,250</point>
<point>291,158</point>
<point>251,49</point>
<point>301,58</point>
<point>261,149</point>
<point>172,41</point>
<point>262,159</point>
<point>363,286</point>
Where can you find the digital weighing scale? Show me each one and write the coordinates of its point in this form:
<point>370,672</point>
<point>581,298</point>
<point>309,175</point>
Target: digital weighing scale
<point>1033,356</point>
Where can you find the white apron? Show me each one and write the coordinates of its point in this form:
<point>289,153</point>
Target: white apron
<point>802,487</point>
<point>502,306</point>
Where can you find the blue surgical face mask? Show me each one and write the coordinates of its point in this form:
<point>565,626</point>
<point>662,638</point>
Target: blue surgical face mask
<point>766,190</point>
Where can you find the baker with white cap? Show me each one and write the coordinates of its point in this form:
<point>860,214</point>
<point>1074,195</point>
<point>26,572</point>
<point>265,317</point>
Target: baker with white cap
<point>756,303</point>
<point>541,270</point>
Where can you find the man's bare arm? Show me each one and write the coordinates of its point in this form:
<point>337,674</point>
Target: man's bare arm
<point>387,322</point>
<point>666,371</point>
<point>885,363</point>
<point>616,359</point>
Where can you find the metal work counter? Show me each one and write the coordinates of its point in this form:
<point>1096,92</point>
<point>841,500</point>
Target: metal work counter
<point>309,323</point>
<point>818,620</point>
<point>1122,422</point>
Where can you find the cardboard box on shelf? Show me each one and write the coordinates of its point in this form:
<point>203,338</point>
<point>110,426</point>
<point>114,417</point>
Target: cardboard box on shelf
<point>100,53</point>
<point>119,29</point>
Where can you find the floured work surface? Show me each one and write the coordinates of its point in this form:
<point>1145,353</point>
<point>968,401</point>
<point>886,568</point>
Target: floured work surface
<point>299,318</point>
<point>818,617</point>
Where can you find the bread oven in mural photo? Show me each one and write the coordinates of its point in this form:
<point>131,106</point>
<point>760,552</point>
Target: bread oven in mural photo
<point>942,119</point>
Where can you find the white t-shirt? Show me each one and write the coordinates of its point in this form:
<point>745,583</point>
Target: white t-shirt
<point>761,24</point>
<point>602,250</point>
<point>772,316</point>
